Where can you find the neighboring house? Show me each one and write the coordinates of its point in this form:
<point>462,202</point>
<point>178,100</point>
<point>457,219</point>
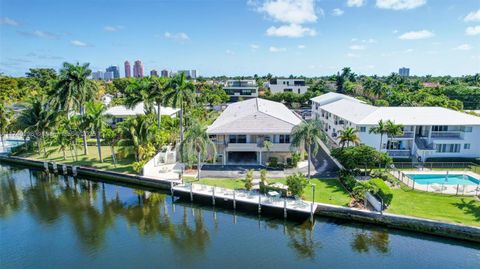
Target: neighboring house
<point>238,89</point>
<point>428,131</point>
<point>279,85</point>
<point>119,113</point>
<point>107,99</point>
<point>240,130</point>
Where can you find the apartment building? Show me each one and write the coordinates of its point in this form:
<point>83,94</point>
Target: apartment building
<point>239,89</point>
<point>279,85</point>
<point>427,131</point>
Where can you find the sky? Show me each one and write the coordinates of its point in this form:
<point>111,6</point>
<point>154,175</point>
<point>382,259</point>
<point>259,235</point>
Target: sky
<point>235,37</point>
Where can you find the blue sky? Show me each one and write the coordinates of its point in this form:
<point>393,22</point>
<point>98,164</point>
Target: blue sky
<point>233,37</point>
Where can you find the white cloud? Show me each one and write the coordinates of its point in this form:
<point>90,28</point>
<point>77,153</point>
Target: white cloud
<point>9,21</point>
<point>463,47</point>
<point>472,16</point>
<point>229,52</point>
<point>355,3</point>
<point>292,30</point>
<point>78,43</point>
<point>110,28</point>
<point>357,47</point>
<point>400,4</point>
<point>408,50</point>
<point>254,46</point>
<point>353,55</point>
<point>301,47</point>
<point>472,30</point>
<point>337,12</point>
<point>276,49</point>
<point>290,11</point>
<point>178,37</point>
<point>416,35</point>
<point>39,34</point>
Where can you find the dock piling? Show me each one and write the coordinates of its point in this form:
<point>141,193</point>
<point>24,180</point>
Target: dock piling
<point>234,201</point>
<point>45,165</point>
<point>64,169</point>
<point>285,207</point>
<point>213,195</point>
<point>259,204</point>
<point>55,167</point>
<point>74,170</point>
<point>191,192</point>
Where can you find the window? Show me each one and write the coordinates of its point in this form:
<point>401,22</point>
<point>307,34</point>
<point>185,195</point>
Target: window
<point>466,146</point>
<point>242,139</point>
<point>232,139</point>
<point>444,148</point>
<point>467,129</point>
<point>440,128</point>
<point>363,129</point>
<point>284,139</point>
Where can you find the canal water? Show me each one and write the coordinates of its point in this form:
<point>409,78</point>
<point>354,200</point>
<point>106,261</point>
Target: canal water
<point>49,221</point>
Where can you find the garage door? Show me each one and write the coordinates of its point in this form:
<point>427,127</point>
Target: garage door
<point>242,157</point>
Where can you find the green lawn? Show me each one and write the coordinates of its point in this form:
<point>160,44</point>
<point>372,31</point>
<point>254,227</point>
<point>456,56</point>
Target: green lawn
<point>327,190</point>
<point>123,165</point>
<point>450,208</point>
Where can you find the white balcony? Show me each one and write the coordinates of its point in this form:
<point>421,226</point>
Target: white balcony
<point>243,147</point>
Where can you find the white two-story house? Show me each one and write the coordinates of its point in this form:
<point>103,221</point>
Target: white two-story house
<point>239,132</point>
<point>427,131</point>
<point>279,85</point>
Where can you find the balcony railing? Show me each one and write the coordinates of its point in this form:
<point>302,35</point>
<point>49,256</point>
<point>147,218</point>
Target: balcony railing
<point>399,152</point>
<point>276,147</point>
<point>448,135</point>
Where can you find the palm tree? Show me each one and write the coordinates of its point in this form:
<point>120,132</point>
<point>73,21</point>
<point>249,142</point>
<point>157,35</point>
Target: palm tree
<point>73,89</point>
<point>137,131</point>
<point>348,135</point>
<point>267,145</point>
<point>148,90</point>
<point>309,134</point>
<point>197,142</point>
<point>95,119</point>
<point>6,119</point>
<point>111,137</point>
<point>380,129</point>
<point>393,130</point>
<point>179,93</point>
<point>36,121</point>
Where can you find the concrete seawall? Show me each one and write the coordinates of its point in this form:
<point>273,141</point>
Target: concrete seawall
<point>456,231</point>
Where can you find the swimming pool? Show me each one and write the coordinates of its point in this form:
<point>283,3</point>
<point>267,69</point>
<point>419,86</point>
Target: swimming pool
<point>452,179</point>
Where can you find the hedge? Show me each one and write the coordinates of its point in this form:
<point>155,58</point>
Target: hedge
<point>383,190</point>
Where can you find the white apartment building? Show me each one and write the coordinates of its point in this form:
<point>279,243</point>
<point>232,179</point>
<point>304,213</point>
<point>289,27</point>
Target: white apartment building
<point>427,131</point>
<point>240,130</point>
<point>241,88</point>
<point>279,85</point>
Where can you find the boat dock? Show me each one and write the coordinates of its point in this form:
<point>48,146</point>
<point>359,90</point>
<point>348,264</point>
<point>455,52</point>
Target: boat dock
<point>251,198</point>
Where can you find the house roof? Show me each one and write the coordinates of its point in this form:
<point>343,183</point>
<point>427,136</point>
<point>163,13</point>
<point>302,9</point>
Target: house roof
<point>255,116</point>
<point>364,114</point>
<point>139,109</point>
<point>332,97</point>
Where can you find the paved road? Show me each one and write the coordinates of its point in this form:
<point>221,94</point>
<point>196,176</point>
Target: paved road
<point>324,165</point>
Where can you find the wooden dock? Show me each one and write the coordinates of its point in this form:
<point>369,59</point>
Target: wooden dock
<point>245,197</point>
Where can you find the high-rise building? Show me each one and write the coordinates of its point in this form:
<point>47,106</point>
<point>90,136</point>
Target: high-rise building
<point>127,69</point>
<point>154,73</point>
<point>404,72</point>
<point>108,75</point>
<point>138,69</point>
<point>164,73</point>
<point>115,70</point>
<point>193,74</point>
<point>186,72</point>
<point>99,75</point>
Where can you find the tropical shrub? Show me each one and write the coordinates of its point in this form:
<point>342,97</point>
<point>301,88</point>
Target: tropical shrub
<point>263,180</point>
<point>384,191</point>
<point>273,162</point>
<point>249,180</point>
<point>296,184</point>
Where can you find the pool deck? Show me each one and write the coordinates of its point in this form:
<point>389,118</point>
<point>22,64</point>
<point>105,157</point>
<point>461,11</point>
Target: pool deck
<point>245,197</point>
<point>456,189</point>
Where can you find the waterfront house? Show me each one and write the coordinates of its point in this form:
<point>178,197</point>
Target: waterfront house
<point>119,113</point>
<point>240,131</point>
<point>427,131</point>
<point>279,85</point>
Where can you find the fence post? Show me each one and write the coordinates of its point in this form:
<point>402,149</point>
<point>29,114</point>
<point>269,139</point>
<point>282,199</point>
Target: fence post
<point>413,187</point>
<point>457,189</point>
<point>443,184</point>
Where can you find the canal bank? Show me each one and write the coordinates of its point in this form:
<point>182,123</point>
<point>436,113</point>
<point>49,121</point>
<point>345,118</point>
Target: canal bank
<point>456,231</point>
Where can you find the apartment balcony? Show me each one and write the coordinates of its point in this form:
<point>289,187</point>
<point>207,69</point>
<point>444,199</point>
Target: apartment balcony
<point>406,135</point>
<point>446,135</point>
<point>276,147</point>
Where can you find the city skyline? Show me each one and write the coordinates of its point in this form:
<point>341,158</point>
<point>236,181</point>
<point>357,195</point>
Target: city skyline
<point>282,37</point>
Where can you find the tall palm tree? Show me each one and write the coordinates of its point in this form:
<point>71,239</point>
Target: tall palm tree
<point>197,142</point>
<point>179,93</point>
<point>309,134</point>
<point>36,121</point>
<point>148,90</point>
<point>137,131</point>
<point>380,129</point>
<point>393,130</point>
<point>73,89</point>
<point>96,119</point>
<point>348,135</point>
<point>6,119</point>
<point>111,137</point>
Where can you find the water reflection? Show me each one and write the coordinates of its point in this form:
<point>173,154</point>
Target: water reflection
<point>365,241</point>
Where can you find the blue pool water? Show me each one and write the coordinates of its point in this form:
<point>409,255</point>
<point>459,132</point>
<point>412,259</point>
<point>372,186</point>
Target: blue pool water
<point>453,179</point>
